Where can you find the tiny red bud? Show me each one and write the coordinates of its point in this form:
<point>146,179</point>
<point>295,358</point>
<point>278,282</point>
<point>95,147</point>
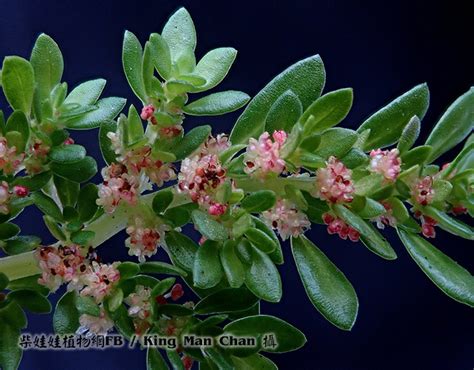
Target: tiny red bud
<point>161,300</point>
<point>147,112</point>
<point>187,362</point>
<point>177,292</point>
<point>69,141</point>
<point>21,191</point>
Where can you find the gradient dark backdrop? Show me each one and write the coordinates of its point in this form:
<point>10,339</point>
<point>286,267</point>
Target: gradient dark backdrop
<point>381,49</point>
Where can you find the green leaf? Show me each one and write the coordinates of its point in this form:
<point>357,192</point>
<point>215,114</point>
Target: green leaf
<point>47,205</point>
<point>14,315</point>
<point>277,255</point>
<point>191,141</point>
<point>29,282</point>
<point>217,103</point>
<point>261,240</point>
<point>160,54</point>
<point>66,315</point>
<point>175,360</point>
<point>305,78</point>
<point>463,161</point>
<point>87,305</point>
<point>259,201</point>
<point>18,122</point>
<point>48,65</point>
<point>86,203</point>
<point>161,268</point>
<point>336,142</point>
<point>207,271</point>
<point>454,126</point>
<point>371,209</point>
<point>372,239</point>
<point>10,352</point>
<point>3,281</point>
<point>255,361</point>
<point>54,228</point>
<point>114,301</point>
<point>326,286</point>
<point>87,93</point>
<point>132,64</point>
<point>18,82</point>
<point>386,125</point>
<point>31,300</point>
<point>208,227</point>
<point>287,336</point>
<point>449,223</point>
<point>418,155</point>
<point>162,200</point>
<point>180,215</point>
<point>327,111</point>
<point>444,272</point>
<point>67,153</point>
<point>284,112</point>
<point>21,244</point>
<point>214,66</point>
<point>233,268</point>
<point>180,35</point>
<point>219,357</point>
<point>34,182</point>
<point>226,300</point>
<point>182,250</point>
<point>8,230</point>
<point>262,277</point>
<point>409,135</point>
<point>107,109</point>
<point>82,170</point>
<point>154,360</point>
<point>82,237</point>
<point>106,149</point>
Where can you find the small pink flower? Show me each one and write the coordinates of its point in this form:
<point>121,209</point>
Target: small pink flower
<point>287,219</point>
<point>334,183</point>
<point>215,145</point>
<point>4,198</point>
<point>263,155</point>
<point>385,218</point>
<point>139,302</point>
<point>95,325</point>
<point>338,226</point>
<point>10,160</point>
<point>69,141</point>
<point>171,131</point>
<point>386,163</point>
<point>20,191</point>
<point>143,241</point>
<point>423,191</point>
<point>427,225</point>
<point>217,209</point>
<point>37,157</point>
<point>99,280</point>
<point>147,112</point>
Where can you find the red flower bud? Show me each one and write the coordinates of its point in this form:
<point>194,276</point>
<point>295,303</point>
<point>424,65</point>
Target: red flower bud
<point>177,292</point>
<point>20,191</point>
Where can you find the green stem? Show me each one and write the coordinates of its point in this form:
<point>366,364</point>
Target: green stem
<point>277,184</point>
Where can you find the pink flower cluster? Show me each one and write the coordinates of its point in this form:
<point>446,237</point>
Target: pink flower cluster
<point>6,195</point>
<point>385,162</point>
<point>10,160</point>
<point>143,241</point>
<point>427,225</point>
<point>287,219</point>
<point>334,182</point>
<point>386,218</point>
<point>37,157</point>
<point>202,174</point>
<point>263,155</point>
<point>338,226</point>
<point>66,264</point>
<point>139,303</point>
<point>95,325</point>
<point>118,185</point>
<point>422,191</point>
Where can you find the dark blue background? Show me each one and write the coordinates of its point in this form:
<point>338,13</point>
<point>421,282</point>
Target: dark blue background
<point>381,49</point>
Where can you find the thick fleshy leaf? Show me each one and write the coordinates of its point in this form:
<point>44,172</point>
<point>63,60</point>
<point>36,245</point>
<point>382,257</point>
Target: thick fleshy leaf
<point>81,171</point>
<point>388,123</point>
<point>447,275</point>
<point>260,240</point>
<point>66,315</point>
<point>48,65</point>
<point>106,149</point>
<point>327,111</point>
<point>259,201</point>
<point>409,135</point>
<point>107,109</point>
<point>255,361</point>
<point>277,255</point>
<point>336,142</point>
<point>162,200</point>
<point>454,126</point>
<point>372,239</point>
<point>191,141</point>
<point>10,352</point>
<point>418,155</point>
<point>47,205</point>
<point>449,223</point>
<point>87,93</point>
<point>161,268</point>
<point>8,230</point>
<point>326,286</point>
<point>233,268</point>
<point>160,54</point>
<point>207,270</point>
<point>31,300</point>
<point>180,35</point>
<point>132,64</point>
<point>305,78</point>
<point>463,161</point>
<point>208,227</point>
<point>182,250</point>
<point>18,122</point>
<point>217,103</point>
<point>214,66</point>
<point>284,113</point>
<point>86,204</point>
<point>87,305</point>
<point>18,82</point>
<point>262,277</point>
<point>67,153</point>
<point>3,281</point>
<point>287,337</point>
<point>226,300</point>
<point>154,360</point>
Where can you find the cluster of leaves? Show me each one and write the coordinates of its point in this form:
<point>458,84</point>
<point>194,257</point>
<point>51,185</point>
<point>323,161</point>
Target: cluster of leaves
<point>236,266</point>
